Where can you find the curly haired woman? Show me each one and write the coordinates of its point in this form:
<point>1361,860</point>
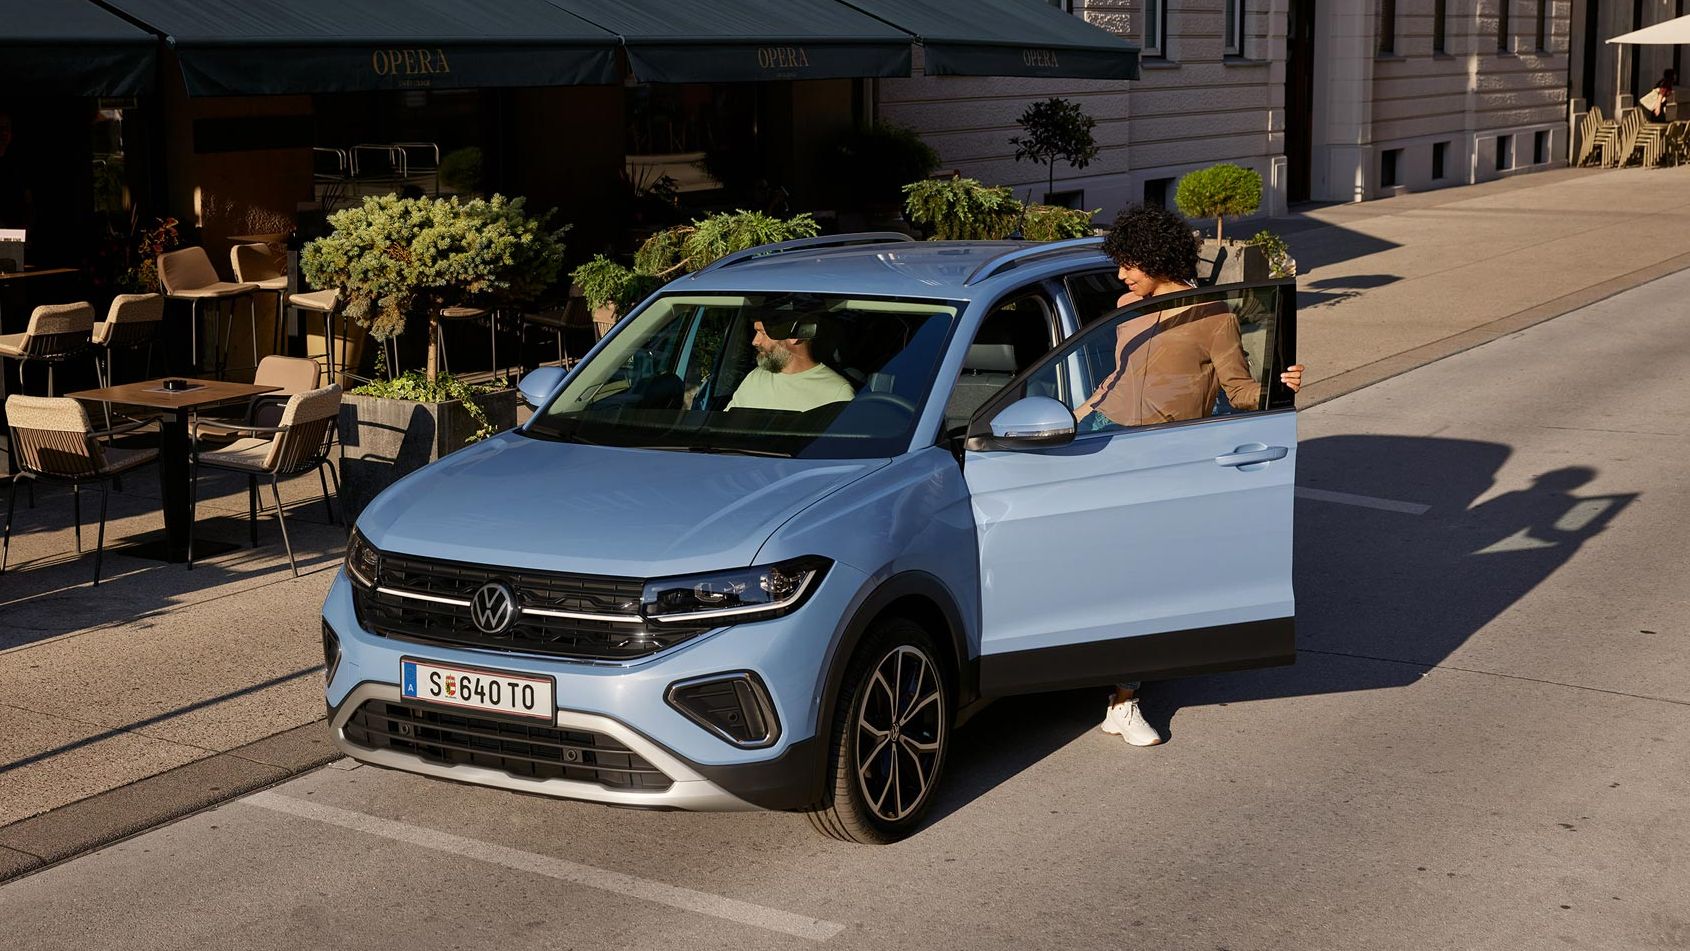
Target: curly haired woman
<point>1197,353</point>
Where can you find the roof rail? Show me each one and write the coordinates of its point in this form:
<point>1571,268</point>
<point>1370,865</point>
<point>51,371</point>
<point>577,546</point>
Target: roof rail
<point>1009,259</point>
<point>803,244</point>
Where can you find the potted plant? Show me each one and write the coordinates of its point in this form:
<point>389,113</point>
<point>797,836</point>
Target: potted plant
<point>963,209</point>
<point>1220,192</point>
<point>401,260</point>
<point>1055,129</point>
<point>612,289</point>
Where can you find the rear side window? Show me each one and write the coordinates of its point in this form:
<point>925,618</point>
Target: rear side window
<point>1014,336</point>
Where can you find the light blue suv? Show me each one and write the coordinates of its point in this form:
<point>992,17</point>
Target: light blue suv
<point>646,597</point>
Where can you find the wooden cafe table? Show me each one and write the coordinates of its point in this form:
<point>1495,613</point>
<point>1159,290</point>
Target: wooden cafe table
<point>174,447</point>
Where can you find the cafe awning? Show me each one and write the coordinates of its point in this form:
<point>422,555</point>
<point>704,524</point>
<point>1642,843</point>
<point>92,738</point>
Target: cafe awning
<point>1668,33</point>
<point>746,40</point>
<point>259,47</point>
<point>1006,38</point>
<point>72,48</point>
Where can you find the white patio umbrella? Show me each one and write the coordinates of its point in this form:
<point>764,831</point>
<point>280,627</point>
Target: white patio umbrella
<point>1668,33</point>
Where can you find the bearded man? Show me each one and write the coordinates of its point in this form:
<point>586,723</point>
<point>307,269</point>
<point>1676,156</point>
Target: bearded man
<point>787,375</point>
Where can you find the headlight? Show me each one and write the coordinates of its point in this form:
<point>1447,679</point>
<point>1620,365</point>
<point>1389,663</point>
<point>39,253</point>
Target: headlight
<point>363,562</point>
<point>741,594</point>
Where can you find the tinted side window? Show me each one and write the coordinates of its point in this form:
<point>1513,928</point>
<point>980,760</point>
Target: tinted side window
<point>1185,357</point>
<point>1094,294</point>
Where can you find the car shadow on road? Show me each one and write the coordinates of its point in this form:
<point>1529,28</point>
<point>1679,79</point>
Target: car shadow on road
<point>1376,581</point>
<point>1378,578</point>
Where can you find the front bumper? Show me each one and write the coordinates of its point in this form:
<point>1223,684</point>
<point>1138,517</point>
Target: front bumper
<point>625,702</point>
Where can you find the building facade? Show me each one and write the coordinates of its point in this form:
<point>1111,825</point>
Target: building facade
<point>1334,101</point>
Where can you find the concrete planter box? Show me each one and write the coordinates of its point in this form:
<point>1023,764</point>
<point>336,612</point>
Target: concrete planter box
<point>385,439</point>
<point>1242,262</point>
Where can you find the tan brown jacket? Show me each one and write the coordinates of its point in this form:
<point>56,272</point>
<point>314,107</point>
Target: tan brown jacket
<point>1170,364</point>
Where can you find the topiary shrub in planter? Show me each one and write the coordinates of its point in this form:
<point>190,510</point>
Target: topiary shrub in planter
<point>390,428</point>
<point>1220,192</point>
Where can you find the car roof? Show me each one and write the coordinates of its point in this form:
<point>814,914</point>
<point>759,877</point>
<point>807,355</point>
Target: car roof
<point>929,269</point>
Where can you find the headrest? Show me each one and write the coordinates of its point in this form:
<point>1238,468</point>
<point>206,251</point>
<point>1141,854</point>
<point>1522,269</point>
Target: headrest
<point>786,325</point>
<point>990,358</point>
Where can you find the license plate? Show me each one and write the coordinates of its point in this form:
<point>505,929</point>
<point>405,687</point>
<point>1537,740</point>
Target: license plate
<point>473,689</point>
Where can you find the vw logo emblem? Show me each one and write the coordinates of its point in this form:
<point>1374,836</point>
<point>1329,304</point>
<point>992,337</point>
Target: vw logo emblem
<point>493,607</point>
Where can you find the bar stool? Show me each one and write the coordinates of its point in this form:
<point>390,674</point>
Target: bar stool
<point>188,275</point>
<point>460,312</point>
<point>256,264</point>
<point>327,305</point>
<point>56,333</point>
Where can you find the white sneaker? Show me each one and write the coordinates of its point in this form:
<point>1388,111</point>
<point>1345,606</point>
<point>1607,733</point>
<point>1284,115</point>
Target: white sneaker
<point>1125,720</point>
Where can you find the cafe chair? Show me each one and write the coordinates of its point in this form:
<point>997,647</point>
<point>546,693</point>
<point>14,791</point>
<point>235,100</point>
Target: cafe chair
<point>297,444</point>
<point>256,264</point>
<point>292,376</point>
<point>187,275</point>
<point>56,332</point>
<point>54,442</point>
<point>132,322</point>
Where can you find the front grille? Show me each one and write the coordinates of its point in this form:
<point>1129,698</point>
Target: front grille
<point>530,752</point>
<point>414,618</point>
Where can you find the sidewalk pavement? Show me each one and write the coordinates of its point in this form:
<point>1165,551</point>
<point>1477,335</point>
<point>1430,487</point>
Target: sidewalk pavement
<point>164,691</point>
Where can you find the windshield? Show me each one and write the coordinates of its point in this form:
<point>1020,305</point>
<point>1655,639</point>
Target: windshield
<point>810,376</point>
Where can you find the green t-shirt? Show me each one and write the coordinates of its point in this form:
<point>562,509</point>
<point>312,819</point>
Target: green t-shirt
<point>796,392</point>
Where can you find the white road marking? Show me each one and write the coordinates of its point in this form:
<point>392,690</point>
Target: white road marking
<point>1364,501</point>
<point>704,903</point>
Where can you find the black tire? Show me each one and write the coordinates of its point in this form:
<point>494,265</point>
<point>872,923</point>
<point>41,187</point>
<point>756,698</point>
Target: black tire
<point>881,794</point>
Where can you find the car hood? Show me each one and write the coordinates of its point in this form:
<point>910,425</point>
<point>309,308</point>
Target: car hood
<point>521,502</point>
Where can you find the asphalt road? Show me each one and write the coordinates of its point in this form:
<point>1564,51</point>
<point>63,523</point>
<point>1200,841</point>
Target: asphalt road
<point>1483,744</point>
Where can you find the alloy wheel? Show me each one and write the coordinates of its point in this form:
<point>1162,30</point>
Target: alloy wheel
<point>900,733</point>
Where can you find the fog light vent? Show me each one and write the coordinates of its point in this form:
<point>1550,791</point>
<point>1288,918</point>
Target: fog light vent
<point>735,707</point>
<point>331,652</point>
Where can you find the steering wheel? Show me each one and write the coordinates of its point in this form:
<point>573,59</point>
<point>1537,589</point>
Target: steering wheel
<point>903,403</point>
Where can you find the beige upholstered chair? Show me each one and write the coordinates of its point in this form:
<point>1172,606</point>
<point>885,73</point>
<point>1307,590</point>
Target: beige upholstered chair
<point>133,322</point>
<point>53,441</point>
<point>297,444</point>
<point>56,333</point>
<point>256,264</point>
<point>294,375</point>
<point>188,275</point>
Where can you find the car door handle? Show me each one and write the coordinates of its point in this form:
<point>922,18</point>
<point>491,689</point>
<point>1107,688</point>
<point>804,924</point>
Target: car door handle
<point>1252,454</point>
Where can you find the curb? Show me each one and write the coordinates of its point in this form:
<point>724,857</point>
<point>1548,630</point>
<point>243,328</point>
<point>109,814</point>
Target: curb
<point>32,844</point>
<point>1399,363</point>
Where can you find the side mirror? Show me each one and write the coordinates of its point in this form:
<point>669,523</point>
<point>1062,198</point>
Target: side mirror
<point>1033,422</point>
<point>538,384</point>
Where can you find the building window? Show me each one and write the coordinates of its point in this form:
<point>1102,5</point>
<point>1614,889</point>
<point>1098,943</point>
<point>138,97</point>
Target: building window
<point>1157,191</point>
<point>1540,147</point>
<point>1234,27</point>
<point>1155,27</point>
<point>1440,28</point>
<point>1504,153</point>
<point>1387,26</point>
<point>1502,26</point>
<point>1543,24</point>
<point>1388,161</point>
<point>1440,156</point>
<point>1066,6</point>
